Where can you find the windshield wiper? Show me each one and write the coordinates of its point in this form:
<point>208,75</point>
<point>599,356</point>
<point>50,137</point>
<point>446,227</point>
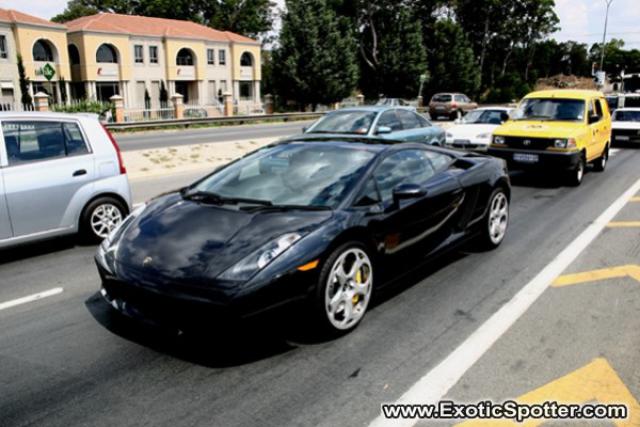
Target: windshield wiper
<point>209,197</point>
<point>295,207</point>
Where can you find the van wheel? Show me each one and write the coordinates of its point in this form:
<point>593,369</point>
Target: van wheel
<point>600,164</point>
<point>575,176</point>
<point>100,218</point>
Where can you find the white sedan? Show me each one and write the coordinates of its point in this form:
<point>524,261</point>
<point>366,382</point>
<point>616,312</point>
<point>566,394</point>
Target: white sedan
<point>474,130</point>
<point>625,126</point>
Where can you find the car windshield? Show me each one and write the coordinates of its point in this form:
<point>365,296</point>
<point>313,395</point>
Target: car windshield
<point>626,116</point>
<point>485,117</point>
<point>299,174</point>
<point>441,98</point>
<point>551,109</point>
<point>347,122</point>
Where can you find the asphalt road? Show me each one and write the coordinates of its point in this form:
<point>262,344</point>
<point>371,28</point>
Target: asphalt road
<point>68,360</point>
<point>170,138</point>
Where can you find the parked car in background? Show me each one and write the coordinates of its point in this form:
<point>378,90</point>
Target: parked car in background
<point>397,123</point>
<point>59,174</point>
<point>625,126</point>
<point>474,131</point>
<point>395,102</point>
<point>323,223</point>
<point>557,130</point>
<point>450,105</point>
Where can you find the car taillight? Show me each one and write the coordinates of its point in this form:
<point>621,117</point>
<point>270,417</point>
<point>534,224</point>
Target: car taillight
<point>454,105</point>
<point>123,170</point>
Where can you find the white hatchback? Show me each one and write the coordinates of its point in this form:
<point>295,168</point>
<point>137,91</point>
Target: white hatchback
<point>474,130</point>
<point>59,174</point>
<point>625,126</point>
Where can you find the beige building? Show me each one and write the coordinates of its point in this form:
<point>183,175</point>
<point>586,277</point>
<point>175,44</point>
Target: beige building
<point>43,48</point>
<point>134,55</point>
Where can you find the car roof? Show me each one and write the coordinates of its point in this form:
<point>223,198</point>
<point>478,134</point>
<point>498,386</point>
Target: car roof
<point>44,115</point>
<point>565,94</point>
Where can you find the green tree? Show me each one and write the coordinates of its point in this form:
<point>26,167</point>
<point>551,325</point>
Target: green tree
<point>393,55</point>
<point>452,64</point>
<point>24,84</point>
<point>315,62</point>
<point>79,8</point>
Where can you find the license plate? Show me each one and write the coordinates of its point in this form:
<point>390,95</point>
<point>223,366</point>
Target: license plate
<point>461,142</point>
<point>622,137</point>
<point>526,157</point>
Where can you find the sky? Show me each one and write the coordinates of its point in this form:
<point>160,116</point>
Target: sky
<point>581,20</point>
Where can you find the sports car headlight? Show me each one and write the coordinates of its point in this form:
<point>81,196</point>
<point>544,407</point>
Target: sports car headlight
<point>484,136</point>
<point>259,259</point>
<point>110,244</point>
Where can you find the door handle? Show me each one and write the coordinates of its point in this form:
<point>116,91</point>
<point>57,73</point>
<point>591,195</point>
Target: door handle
<point>80,172</point>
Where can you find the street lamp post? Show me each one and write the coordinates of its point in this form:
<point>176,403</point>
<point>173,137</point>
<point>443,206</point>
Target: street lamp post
<point>604,36</point>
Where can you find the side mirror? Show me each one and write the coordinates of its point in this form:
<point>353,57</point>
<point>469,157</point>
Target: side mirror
<point>382,130</point>
<point>594,119</point>
<point>407,191</point>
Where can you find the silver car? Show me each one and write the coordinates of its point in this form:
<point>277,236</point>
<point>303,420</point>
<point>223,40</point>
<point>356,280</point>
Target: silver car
<point>59,174</point>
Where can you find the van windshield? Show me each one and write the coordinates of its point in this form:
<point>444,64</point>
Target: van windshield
<point>551,109</point>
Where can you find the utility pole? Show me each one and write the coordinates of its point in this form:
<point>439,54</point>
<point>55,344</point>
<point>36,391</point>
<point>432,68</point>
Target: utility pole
<point>604,36</point>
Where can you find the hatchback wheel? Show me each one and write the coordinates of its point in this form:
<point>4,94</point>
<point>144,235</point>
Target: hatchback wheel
<point>344,288</point>
<point>600,164</point>
<point>496,221</point>
<point>101,217</point>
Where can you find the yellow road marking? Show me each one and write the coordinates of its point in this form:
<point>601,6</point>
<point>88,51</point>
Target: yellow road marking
<point>632,271</point>
<point>597,381</point>
<point>623,224</point>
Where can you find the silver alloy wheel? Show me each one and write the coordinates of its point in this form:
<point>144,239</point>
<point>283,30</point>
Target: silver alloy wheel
<point>104,219</point>
<point>498,218</point>
<point>348,289</point>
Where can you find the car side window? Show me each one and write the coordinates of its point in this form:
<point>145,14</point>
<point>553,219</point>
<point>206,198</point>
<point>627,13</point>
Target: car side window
<point>74,141</point>
<point>408,119</point>
<point>390,119</point>
<point>403,167</point>
<point>591,109</point>
<point>424,123</point>
<point>369,194</point>
<point>598,105</point>
<point>459,98</point>
<point>439,161</point>
<point>28,142</point>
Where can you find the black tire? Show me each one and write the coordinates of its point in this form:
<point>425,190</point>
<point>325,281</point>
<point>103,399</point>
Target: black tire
<point>488,240</point>
<point>320,316</point>
<point>87,231</point>
<point>601,163</point>
<point>576,175</point>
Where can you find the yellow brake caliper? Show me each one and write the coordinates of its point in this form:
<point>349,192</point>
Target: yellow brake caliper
<point>356,297</point>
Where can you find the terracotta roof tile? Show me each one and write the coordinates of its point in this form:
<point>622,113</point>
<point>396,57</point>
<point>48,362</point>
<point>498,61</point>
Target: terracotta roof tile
<point>148,26</point>
<point>16,17</point>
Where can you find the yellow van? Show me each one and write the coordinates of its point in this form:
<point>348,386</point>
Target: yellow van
<point>560,130</point>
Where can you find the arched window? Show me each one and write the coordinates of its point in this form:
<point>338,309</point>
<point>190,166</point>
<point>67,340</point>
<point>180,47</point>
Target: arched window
<point>185,57</point>
<point>246,60</point>
<point>42,51</point>
<point>107,54</point>
<point>74,54</point>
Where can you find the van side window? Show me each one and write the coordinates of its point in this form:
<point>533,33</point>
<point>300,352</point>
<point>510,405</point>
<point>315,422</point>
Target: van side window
<point>28,142</point>
<point>591,109</point>
<point>599,111</point>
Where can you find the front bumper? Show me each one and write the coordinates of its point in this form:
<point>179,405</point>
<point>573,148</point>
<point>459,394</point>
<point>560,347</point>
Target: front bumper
<point>468,144</point>
<point>188,306</point>
<point>536,159</point>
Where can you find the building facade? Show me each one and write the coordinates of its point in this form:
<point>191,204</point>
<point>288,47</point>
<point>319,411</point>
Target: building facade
<point>42,45</point>
<point>136,57</point>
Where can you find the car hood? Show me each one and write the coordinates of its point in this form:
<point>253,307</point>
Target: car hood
<point>181,240</point>
<point>470,131</point>
<point>625,125</point>
<point>541,129</point>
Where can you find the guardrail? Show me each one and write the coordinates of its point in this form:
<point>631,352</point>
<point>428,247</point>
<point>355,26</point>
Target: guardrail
<point>213,120</point>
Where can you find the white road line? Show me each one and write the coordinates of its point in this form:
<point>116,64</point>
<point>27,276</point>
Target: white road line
<point>614,151</point>
<point>30,298</point>
<point>433,386</point>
